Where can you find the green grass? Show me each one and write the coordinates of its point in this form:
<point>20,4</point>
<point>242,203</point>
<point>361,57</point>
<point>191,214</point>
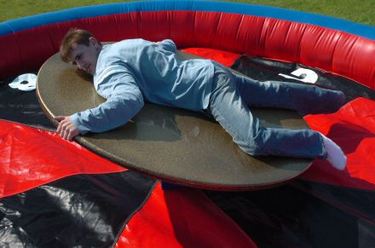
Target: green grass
<point>358,11</point>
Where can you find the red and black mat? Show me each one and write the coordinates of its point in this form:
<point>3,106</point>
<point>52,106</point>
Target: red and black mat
<point>55,193</point>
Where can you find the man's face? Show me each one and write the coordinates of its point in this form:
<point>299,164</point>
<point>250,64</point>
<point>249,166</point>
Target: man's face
<point>85,57</point>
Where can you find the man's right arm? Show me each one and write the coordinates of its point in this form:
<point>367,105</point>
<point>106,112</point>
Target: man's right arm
<point>168,45</point>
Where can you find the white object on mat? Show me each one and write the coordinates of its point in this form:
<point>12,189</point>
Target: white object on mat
<point>24,82</point>
<point>304,75</point>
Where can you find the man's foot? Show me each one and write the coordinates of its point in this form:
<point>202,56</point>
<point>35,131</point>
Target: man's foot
<point>335,155</point>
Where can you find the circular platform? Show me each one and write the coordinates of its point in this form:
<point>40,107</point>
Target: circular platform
<point>171,144</point>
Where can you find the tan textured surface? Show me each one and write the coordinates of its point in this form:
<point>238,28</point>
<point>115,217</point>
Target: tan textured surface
<point>172,144</point>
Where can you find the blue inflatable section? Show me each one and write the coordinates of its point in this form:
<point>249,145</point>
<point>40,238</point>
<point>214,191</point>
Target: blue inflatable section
<point>195,5</point>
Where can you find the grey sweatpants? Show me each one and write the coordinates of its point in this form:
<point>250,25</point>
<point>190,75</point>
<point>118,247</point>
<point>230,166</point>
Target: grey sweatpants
<point>233,94</point>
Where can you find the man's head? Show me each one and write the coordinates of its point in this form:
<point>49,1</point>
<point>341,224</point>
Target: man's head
<point>80,48</point>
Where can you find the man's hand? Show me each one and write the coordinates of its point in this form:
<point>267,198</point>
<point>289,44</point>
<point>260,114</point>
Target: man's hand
<point>66,128</point>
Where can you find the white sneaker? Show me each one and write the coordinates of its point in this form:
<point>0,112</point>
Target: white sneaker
<point>335,155</point>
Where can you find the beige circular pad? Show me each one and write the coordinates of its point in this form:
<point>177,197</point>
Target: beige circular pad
<point>171,144</point>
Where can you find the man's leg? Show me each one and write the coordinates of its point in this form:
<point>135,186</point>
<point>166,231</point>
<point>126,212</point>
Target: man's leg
<point>229,109</point>
<point>305,98</point>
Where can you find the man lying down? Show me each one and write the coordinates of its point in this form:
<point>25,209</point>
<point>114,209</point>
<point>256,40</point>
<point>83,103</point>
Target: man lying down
<point>132,71</point>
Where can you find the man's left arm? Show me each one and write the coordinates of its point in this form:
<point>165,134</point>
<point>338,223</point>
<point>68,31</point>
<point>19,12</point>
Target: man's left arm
<point>66,128</point>
<point>124,100</point>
